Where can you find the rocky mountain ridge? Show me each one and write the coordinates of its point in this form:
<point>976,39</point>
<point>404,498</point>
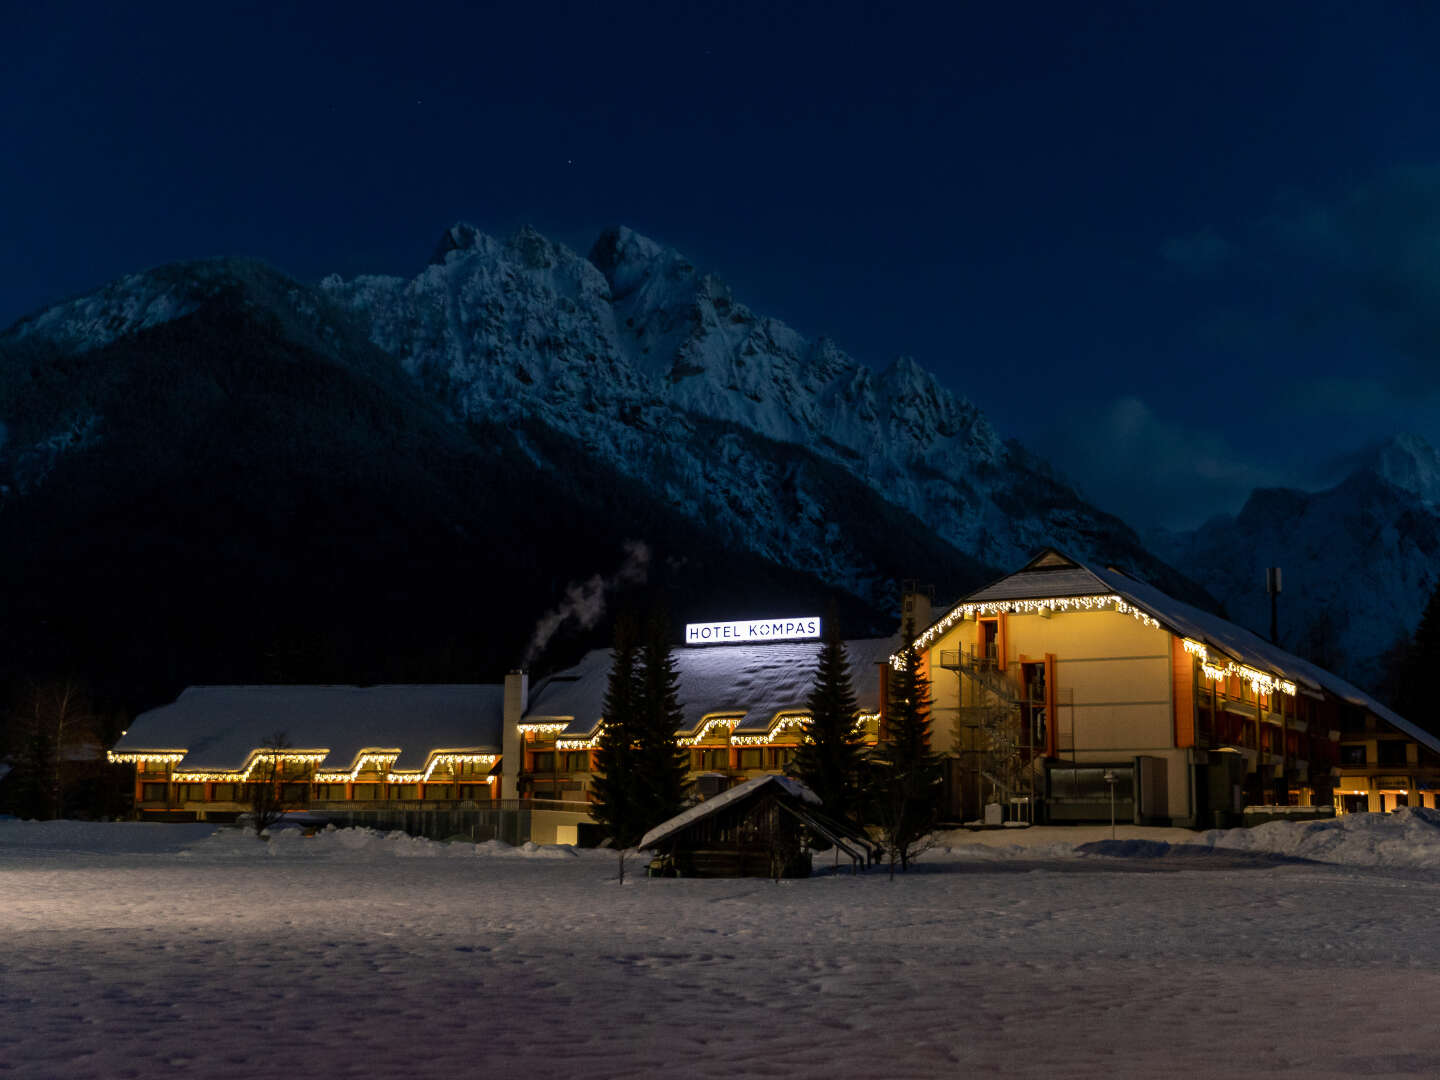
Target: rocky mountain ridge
<point>1359,559</point>
<point>331,468</point>
<point>660,370</point>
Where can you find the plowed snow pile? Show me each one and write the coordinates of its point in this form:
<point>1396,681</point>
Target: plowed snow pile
<point>1406,838</point>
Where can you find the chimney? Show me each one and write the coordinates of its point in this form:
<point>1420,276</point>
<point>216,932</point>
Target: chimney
<point>517,700</point>
<point>915,607</point>
<point>1272,586</point>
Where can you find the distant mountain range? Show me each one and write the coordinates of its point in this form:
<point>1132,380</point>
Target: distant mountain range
<point>1359,560</point>
<point>212,471</point>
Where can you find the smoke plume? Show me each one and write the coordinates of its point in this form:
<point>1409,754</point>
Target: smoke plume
<point>585,601</point>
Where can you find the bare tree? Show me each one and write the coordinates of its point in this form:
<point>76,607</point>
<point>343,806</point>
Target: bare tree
<point>267,783</point>
<point>53,728</point>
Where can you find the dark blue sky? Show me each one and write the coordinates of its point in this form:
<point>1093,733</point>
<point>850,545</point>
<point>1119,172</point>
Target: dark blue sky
<point>1182,249</point>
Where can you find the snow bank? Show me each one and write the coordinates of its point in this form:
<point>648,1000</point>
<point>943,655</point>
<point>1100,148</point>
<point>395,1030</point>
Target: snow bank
<point>1406,838</point>
<point>358,844</point>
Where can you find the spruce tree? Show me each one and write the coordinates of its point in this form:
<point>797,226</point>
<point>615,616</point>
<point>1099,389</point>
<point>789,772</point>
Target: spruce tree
<point>616,801</point>
<point>908,779</point>
<point>1418,667</point>
<point>661,766</point>
<point>831,754</point>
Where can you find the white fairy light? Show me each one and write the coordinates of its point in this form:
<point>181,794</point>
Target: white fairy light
<point>420,776</point>
<point>241,776</point>
<point>579,744</point>
<point>1260,681</point>
<point>546,728</point>
<point>727,722</point>
<point>145,757</point>
<point>1027,607</point>
<point>378,760</point>
<point>782,725</point>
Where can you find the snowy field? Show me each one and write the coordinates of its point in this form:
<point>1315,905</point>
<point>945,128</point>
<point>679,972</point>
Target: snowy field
<point>168,950</point>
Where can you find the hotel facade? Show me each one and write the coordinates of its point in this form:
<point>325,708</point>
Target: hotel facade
<point>1056,690</point>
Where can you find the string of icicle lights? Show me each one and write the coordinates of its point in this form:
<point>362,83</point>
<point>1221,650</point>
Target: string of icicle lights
<point>368,760</point>
<point>1027,607</point>
<point>1260,681</point>
<point>783,725</point>
<point>727,722</point>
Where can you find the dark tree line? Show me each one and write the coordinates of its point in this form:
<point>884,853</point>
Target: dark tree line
<point>53,737</point>
<point>1415,665</point>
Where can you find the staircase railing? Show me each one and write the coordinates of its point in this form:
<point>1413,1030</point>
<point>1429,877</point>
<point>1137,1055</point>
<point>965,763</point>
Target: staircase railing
<point>984,670</point>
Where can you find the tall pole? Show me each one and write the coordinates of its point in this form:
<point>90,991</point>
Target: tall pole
<point>1272,586</point>
<point>1110,778</point>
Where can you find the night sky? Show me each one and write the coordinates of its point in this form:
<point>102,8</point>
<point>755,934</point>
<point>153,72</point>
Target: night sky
<point>1182,249</point>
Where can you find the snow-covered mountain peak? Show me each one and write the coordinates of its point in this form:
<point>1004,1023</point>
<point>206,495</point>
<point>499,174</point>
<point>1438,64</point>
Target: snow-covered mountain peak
<point>458,239</point>
<point>631,261</point>
<point>1411,464</point>
<point>657,367</point>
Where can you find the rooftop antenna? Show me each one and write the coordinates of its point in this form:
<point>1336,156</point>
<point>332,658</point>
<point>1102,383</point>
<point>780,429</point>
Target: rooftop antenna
<point>1272,586</point>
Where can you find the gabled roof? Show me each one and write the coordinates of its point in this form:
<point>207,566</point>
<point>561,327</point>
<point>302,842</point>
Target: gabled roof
<point>1054,575</point>
<point>1048,574</point>
<point>793,788</point>
<point>754,683</point>
<point>219,726</point>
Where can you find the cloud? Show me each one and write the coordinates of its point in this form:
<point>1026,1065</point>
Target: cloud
<point>1336,281</point>
<point>1150,471</point>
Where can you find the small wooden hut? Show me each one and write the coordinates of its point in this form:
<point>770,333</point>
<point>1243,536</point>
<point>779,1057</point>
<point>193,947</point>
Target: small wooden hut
<point>761,828</point>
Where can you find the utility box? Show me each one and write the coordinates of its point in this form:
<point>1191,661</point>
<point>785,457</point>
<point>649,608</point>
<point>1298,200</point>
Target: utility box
<point>1153,790</point>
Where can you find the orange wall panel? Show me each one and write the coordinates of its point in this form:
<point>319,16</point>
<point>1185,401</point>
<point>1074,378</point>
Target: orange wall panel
<point>1182,679</point>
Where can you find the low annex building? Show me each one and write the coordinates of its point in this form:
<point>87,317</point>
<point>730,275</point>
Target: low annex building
<point>1060,682</point>
<point>347,749</point>
<point>743,704</point>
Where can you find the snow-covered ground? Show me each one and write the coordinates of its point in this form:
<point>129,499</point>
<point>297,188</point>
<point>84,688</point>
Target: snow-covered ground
<point>155,950</point>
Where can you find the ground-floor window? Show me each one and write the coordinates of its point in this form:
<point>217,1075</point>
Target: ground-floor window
<point>153,792</point>
<point>1394,800</point>
<point>1354,804</point>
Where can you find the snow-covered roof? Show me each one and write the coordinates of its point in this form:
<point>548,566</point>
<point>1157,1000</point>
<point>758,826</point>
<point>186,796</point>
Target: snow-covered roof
<point>757,683</point>
<point>220,726</point>
<point>1249,648</point>
<point>794,788</point>
<point>1052,574</point>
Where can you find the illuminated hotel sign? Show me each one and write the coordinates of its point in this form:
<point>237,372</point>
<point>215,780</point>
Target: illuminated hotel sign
<point>751,630</point>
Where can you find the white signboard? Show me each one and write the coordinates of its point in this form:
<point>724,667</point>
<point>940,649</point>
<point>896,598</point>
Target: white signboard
<point>751,630</point>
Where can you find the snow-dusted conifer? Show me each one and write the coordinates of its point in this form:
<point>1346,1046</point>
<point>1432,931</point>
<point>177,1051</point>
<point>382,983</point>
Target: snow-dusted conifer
<point>831,757</point>
<point>908,772</point>
<point>661,764</point>
<point>616,802</point>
